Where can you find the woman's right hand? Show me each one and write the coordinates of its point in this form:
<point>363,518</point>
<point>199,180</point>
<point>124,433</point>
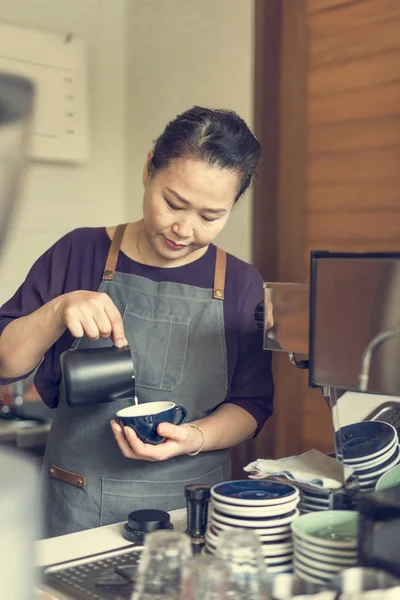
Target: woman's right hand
<point>93,314</point>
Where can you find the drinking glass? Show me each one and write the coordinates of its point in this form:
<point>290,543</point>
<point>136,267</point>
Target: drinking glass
<point>160,567</point>
<point>241,550</point>
<point>204,578</point>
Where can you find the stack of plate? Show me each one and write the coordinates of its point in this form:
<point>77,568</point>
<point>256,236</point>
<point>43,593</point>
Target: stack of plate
<point>371,448</point>
<point>266,507</point>
<point>312,499</point>
<point>324,544</point>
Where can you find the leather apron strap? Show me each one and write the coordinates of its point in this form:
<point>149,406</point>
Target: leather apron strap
<point>112,258</point>
<point>219,275</point>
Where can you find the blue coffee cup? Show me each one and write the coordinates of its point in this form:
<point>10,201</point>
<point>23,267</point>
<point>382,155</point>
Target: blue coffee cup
<point>145,418</point>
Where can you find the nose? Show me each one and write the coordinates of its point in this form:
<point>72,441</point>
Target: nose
<point>183,227</point>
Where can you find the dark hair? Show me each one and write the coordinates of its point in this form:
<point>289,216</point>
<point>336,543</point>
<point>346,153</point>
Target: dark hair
<point>218,137</point>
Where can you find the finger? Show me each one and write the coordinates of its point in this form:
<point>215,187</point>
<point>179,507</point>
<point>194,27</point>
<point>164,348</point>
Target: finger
<point>103,324</point>
<point>90,327</point>
<point>75,328</point>
<point>117,326</point>
<point>121,440</point>
<point>172,432</point>
<point>142,450</point>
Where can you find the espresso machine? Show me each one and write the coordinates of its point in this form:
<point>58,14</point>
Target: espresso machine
<point>344,328</point>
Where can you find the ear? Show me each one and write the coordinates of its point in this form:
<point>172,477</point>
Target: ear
<point>146,170</point>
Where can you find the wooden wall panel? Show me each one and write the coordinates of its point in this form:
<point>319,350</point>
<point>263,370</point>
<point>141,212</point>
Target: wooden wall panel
<point>353,166</point>
<point>338,168</point>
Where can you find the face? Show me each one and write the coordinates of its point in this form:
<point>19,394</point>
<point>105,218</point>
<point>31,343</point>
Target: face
<point>185,206</point>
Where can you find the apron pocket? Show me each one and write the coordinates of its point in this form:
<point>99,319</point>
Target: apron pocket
<point>119,498</point>
<point>159,345</point>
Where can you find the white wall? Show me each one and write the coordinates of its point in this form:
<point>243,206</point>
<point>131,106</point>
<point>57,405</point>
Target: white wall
<point>57,198</point>
<point>148,61</point>
<point>183,53</point>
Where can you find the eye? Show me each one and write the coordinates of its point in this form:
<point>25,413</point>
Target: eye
<point>172,206</point>
<point>207,220</point>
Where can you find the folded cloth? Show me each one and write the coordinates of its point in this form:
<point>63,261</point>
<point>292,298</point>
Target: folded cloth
<point>312,468</point>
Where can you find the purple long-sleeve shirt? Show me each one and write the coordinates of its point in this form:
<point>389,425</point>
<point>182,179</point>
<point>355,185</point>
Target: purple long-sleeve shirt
<point>76,262</point>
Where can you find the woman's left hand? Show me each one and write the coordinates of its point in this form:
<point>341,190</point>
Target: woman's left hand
<point>181,439</point>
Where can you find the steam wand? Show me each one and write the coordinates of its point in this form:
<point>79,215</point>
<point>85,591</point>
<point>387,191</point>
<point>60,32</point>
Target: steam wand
<point>363,377</point>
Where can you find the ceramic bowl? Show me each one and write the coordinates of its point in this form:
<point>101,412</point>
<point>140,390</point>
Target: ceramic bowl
<point>389,479</point>
<point>329,528</point>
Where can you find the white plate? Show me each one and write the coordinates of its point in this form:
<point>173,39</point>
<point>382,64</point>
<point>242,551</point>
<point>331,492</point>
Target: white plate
<point>254,523</point>
<point>317,573</point>
<point>323,551</point>
<point>324,567</point>
<point>368,464</point>
<point>259,511</point>
<point>277,537</point>
<point>276,532</point>
<point>268,550</point>
<point>279,563</point>
<point>313,500</point>
<point>278,560</point>
<point>284,568</point>
<point>353,461</point>
<point>302,575</point>
<point>369,484</point>
<point>315,507</point>
<point>380,471</point>
<point>324,558</point>
<point>243,501</point>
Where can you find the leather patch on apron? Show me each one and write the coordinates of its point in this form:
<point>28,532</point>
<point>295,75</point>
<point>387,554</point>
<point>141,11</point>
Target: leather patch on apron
<point>67,476</point>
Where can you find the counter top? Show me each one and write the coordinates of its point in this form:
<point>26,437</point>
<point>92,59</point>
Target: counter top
<point>92,541</point>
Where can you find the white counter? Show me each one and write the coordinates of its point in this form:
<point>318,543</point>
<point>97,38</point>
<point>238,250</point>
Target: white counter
<point>92,541</point>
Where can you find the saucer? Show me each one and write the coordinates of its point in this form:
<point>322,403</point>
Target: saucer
<point>380,469</point>
<point>364,440</point>
<point>247,492</point>
<point>306,576</point>
<point>368,464</point>
<point>255,511</point>
<point>264,537</point>
<point>324,552</point>
<point>267,532</point>
<point>310,507</point>
<point>256,523</point>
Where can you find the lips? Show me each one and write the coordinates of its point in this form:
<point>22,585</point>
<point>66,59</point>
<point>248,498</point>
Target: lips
<point>173,244</point>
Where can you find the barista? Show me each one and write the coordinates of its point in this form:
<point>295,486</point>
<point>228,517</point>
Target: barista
<point>186,310</point>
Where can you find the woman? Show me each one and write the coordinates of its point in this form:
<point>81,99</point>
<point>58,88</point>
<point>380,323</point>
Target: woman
<point>186,310</point>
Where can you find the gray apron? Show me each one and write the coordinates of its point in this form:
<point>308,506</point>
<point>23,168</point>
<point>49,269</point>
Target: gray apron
<point>177,338</point>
